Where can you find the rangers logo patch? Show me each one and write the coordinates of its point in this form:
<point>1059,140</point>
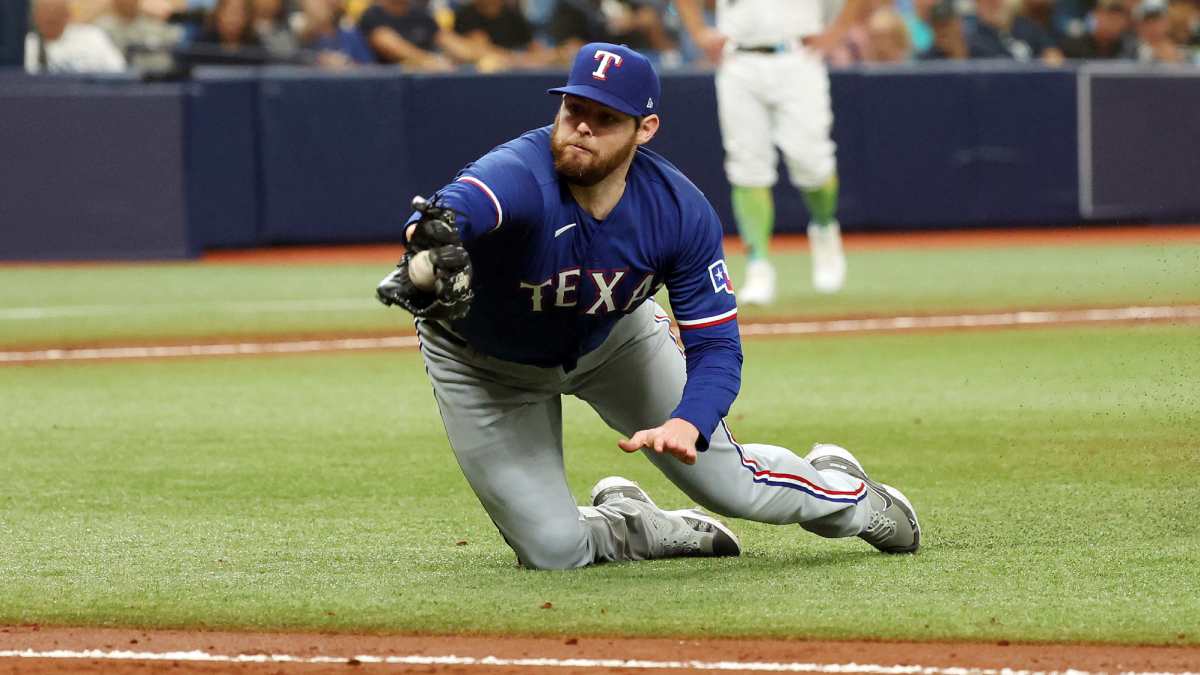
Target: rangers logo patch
<point>718,274</point>
<point>606,59</point>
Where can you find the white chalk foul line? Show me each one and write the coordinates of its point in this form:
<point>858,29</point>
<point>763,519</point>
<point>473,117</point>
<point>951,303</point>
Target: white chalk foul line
<point>232,349</point>
<point>493,661</point>
<point>183,307</point>
<point>879,324</point>
<point>1021,318</point>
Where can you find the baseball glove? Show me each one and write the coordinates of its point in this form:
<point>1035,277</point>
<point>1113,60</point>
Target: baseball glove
<point>451,294</point>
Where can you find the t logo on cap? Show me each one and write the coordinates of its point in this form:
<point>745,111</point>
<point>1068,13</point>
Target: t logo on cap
<point>606,59</point>
<point>637,92</point>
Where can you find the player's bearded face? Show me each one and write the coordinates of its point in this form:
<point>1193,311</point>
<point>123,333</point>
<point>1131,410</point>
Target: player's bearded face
<point>590,141</point>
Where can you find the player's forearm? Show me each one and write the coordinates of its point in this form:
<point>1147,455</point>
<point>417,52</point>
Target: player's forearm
<point>714,376</point>
<point>468,197</point>
<point>692,16</point>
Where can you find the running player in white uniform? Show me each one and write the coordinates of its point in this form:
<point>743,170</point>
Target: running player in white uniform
<point>773,91</point>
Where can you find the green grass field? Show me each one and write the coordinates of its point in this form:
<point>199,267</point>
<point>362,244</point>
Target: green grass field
<point>1056,471</point>
<point>48,305</point>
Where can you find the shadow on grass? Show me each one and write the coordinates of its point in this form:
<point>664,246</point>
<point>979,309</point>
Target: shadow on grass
<point>714,569</point>
<point>810,559</point>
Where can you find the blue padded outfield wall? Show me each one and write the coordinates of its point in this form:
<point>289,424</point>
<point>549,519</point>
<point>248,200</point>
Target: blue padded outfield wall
<point>1142,142</point>
<point>223,164</point>
<point>92,171</point>
<point>244,157</point>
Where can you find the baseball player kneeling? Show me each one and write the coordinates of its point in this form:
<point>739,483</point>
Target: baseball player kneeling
<point>532,275</point>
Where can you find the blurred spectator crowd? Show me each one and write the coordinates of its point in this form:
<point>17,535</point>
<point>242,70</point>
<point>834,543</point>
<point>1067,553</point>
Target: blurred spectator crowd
<point>496,35</point>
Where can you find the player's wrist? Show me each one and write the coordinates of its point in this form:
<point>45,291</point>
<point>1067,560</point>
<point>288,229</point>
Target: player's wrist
<point>687,428</point>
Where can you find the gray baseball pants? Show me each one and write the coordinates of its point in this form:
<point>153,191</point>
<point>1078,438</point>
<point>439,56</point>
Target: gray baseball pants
<point>504,422</point>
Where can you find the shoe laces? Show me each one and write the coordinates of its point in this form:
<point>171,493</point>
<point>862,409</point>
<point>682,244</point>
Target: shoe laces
<point>880,528</point>
<point>676,540</point>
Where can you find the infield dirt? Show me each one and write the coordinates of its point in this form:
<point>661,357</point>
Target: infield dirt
<point>941,656</point>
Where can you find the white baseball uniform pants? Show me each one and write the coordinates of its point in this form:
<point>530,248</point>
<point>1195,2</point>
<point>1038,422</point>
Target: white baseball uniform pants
<point>769,101</point>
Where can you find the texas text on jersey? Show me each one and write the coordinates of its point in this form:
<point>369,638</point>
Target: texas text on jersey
<point>554,279</point>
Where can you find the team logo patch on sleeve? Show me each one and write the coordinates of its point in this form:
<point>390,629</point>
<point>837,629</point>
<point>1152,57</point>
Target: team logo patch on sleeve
<point>718,274</point>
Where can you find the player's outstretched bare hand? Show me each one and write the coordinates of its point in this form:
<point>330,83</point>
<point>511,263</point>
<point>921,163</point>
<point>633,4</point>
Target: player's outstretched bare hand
<point>675,437</point>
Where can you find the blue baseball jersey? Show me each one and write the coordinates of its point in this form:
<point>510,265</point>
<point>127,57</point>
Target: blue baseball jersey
<point>550,281</point>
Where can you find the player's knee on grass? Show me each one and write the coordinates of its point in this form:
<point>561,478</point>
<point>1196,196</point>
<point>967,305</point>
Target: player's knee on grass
<point>551,547</point>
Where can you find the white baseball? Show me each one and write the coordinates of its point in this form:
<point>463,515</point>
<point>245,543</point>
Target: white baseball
<point>420,271</point>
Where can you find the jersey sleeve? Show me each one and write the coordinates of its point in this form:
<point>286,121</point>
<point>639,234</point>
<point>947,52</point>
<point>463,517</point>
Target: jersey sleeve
<point>706,312</point>
<point>496,191</point>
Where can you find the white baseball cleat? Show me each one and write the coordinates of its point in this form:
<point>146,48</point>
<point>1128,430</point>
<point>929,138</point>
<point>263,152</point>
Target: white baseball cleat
<point>618,487</point>
<point>828,259</point>
<point>702,534</point>
<point>759,288</point>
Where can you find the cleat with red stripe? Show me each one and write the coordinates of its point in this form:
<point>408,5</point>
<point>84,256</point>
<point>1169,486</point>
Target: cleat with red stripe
<point>893,526</point>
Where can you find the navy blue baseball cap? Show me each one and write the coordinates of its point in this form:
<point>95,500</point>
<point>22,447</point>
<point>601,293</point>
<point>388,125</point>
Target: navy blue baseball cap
<point>615,76</point>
